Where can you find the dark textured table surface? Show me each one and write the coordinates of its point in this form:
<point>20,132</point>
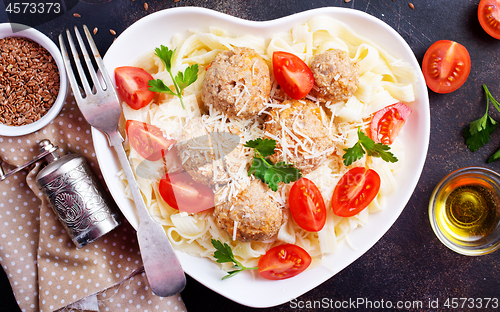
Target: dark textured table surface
<point>408,263</point>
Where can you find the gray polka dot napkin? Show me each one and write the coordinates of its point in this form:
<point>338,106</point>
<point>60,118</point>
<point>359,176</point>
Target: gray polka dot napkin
<point>46,271</point>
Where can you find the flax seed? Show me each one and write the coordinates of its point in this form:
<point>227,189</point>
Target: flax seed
<point>411,5</point>
<point>112,32</point>
<point>95,30</point>
<point>29,84</point>
<point>145,6</point>
<point>76,15</point>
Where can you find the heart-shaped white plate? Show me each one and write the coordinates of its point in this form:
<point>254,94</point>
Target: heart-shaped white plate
<point>158,28</point>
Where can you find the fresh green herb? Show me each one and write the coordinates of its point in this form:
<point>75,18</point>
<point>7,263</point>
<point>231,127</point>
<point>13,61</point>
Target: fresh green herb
<point>372,149</point>
<point>224,254</point>
<point>265,147</point>
<point>262,168</point>
<point>494,157</point>
<point>181,80</point>
<point>477,134</point>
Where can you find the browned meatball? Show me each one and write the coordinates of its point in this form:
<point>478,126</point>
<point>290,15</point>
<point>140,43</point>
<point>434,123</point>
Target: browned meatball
<point>258,216</point>
<point>335,76</point>
<point>202,152</point>
<point>237,83</point>
<point>310,143</point>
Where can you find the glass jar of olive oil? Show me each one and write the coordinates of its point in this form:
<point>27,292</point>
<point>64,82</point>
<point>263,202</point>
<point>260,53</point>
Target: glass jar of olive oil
<point>464,211</point>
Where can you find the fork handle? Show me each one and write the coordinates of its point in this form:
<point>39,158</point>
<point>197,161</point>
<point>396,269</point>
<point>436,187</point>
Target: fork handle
<point>163,269</point>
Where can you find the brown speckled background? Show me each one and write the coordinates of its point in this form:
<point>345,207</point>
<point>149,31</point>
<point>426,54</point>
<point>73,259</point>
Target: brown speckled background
<point>408,263</point>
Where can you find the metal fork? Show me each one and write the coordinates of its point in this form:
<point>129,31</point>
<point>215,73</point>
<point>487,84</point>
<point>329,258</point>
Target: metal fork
<point>102,110</point>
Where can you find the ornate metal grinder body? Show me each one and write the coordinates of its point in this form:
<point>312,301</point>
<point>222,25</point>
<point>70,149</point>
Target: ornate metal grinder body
<point>74,194</point>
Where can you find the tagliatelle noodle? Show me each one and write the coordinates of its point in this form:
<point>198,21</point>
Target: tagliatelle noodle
<point>384,80</point>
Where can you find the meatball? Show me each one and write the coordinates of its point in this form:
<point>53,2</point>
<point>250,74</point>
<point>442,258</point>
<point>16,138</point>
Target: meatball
<point>209,157</point>
<point>237,83</point>
<point>307,138</point>
<point>258,215</point>
<point>335,76</point>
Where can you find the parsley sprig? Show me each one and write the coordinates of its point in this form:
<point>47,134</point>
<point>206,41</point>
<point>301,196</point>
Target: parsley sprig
<point>224,254</point>
<point>478,133</point>
<point>367,145</point>
<point>181,80</point>
<point>262,168</point>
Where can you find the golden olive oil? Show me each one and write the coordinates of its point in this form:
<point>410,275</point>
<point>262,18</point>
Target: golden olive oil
<point>468,210</point>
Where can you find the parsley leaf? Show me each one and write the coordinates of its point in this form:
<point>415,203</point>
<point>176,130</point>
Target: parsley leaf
<point>159,86</point>
<point>479,131</point>
<point>188,77</point>
<point>258,168</point>
<point>354,153</point>
<point>264,146</point>
<point>263,169</point>
<point>477,134</point>
<point>224,254</point>
<point>181,80</point>
<point>166,55</point>
<point>372,149</point>
<point>494,157</point>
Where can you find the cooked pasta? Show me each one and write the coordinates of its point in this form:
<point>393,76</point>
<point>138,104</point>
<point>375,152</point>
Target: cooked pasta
<point>384,80</point>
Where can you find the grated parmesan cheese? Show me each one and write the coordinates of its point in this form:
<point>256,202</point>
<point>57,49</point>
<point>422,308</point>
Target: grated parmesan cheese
<point>253,68</point>
<point>235,228</point>
<point>240,95</point>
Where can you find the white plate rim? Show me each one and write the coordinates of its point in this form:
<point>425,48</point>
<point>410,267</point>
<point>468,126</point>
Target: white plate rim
<point>258,292</point>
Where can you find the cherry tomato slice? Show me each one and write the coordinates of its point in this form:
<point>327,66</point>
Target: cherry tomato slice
<point>284,261</point>
<point>181,192</point>
<point>355,191</point>
<point>387,123</point>
<point>446,66</point>
<point>307,205</point>
<point>488,14</point>
<point>147,140</point>
<point>132,86</point>
<point>292,74</point>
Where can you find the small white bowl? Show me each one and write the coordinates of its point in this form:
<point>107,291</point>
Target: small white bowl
<point>6,30</point>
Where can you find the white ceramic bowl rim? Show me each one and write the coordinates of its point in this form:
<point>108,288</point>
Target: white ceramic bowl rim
<point>19,30</point>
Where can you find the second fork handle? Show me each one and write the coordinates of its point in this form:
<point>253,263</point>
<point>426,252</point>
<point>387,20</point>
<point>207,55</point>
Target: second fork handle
<point>163,269</point>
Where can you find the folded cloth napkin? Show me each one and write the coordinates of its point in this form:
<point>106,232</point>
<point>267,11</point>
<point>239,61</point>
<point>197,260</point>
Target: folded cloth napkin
<point>45,269</point>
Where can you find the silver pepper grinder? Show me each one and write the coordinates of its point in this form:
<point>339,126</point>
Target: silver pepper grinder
<point>75,196</point>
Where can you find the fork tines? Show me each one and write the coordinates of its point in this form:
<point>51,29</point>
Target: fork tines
<point>99,85</point>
